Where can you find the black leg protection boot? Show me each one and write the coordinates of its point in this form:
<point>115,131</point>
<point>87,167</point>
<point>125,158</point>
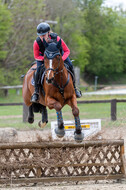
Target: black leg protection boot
<point>35,96</point>
<point>78,92</point>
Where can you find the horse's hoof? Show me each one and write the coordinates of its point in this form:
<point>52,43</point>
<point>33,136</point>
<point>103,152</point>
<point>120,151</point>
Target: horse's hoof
<point>59,132</point>
<point>78,137</point>
<point>42,125</point>
<point>30,120</point>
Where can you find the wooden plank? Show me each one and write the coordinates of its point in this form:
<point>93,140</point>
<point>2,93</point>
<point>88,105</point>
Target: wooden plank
<point>99,101</point>
<point>122,159</point>
<point>79,102</point>
<point>113,110</point>
<point>11,104</point>
<point>121,100</point>
<point>124,164</point>
<point>25,113</point>
<point>93,101</point>
<point>61,179</point>
<point>72,144</point>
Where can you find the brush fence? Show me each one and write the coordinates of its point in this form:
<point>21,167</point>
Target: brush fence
<point>61,161</point>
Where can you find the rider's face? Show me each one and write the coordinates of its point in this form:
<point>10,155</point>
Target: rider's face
<point>44,36</point>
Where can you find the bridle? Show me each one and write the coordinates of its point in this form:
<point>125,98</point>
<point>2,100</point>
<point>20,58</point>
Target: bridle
<point>54,82</point>
<point>51,51</point>
<point>56,71</point>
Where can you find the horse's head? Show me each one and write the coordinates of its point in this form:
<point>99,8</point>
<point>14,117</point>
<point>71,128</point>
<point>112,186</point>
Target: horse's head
<point>52,59</point>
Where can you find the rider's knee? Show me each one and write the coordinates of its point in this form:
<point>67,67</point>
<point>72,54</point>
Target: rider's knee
<point>39,64</point>
<point>69,63</point>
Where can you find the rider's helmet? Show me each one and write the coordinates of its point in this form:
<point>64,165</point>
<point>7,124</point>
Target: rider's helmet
<point>43,28</point>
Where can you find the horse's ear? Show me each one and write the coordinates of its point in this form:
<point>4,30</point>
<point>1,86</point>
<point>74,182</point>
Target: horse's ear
<point>45,43</point>
<point>59,44</point>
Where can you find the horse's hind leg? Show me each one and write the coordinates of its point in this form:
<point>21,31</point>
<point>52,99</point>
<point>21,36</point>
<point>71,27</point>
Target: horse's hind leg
<point>60,132</point>
<point>44,121</point>
<point>31,115</point>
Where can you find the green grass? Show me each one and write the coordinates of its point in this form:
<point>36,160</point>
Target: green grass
<point>11,110</point>
<point>12,97</point>
<point>11,116</point>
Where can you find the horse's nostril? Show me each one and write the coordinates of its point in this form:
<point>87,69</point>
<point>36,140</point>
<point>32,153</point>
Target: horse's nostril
<point>49,81</point>
<point>46,80</point>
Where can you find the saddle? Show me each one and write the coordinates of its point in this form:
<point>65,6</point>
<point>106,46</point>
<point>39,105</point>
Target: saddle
<point>41,77</point>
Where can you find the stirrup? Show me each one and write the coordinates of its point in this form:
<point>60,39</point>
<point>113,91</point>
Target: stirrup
<point>35,98</point>
<point>78,93</point>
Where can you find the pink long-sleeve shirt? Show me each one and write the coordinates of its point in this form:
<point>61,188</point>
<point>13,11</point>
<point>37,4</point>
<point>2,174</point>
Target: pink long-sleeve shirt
<point>39,57</point>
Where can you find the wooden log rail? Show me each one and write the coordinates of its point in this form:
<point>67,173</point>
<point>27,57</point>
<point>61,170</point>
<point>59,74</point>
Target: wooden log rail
<point>61,161</point>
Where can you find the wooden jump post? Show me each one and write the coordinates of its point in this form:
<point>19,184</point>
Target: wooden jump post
<point>61,161</point>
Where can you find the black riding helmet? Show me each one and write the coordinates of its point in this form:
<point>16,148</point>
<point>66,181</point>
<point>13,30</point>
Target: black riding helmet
<point>43,28</point>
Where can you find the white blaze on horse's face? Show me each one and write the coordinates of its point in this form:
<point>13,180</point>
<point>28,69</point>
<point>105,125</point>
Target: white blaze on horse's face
<point>50,66</point>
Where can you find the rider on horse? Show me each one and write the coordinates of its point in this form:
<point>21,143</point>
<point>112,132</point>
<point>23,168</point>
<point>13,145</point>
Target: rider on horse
<point>43,31</point>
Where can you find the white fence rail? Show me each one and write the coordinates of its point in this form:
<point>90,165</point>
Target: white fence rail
<point>6,88</point>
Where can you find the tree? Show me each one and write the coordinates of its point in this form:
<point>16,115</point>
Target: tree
<point>5,29</point>
<point>26,16</point>
<point>69,27</point>
<point>94,34</point>
<point>105,57</point>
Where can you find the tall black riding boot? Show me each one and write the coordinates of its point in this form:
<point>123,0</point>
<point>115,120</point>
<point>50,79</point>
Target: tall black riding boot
<point>35,96</point>
<point>78,92</point>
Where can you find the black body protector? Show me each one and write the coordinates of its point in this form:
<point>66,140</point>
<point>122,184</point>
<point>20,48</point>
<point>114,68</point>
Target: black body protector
<point>41,45</point>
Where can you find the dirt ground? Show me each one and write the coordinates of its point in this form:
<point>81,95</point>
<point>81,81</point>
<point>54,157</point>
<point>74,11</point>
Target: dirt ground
<point>38,135</point>
<point>101,186</point>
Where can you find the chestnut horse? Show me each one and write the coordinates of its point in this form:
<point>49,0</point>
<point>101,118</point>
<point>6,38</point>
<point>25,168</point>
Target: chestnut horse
<point>58,91</point>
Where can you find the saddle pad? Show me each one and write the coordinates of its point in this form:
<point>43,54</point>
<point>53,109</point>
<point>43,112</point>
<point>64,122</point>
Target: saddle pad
<point>42,79</point>
<point>33,82</point>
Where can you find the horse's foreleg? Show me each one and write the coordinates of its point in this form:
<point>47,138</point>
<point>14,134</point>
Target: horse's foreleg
<point>78,135</point>
<point>44,121</point>
<point>52,103</point>
<point>60,132</point>
<point>31,115</point>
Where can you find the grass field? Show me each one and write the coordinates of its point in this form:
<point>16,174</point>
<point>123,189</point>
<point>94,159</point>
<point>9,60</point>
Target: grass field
<point>11,116</point>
